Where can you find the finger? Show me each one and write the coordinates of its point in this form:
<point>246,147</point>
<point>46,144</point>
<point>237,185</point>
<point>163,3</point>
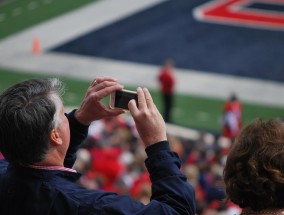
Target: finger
<point>102,79</point>
<point>104,84</point>
<point>105,91</point>
<point>96,86</point>
<point>148,97</point>
<point>141,98</point>
<point>115,112</point>
<point>98,81</point>
<point>133,107</point>
<point>94,82</point>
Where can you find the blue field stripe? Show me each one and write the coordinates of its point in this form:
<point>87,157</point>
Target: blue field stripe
<point>169,30</point>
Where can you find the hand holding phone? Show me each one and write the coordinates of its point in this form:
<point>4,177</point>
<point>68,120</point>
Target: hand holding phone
<point>120,99</point>
<point>148,120</point>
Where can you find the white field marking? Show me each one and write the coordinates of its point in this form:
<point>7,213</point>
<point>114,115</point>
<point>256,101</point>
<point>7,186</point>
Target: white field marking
<point>17,11</point>
<point>2,17</point>
<point>177,111</point>
<point>183,132</point>
<point>32,5</point>
<point>203,116</point>
<point>6,3</point>
<point>47,1</point>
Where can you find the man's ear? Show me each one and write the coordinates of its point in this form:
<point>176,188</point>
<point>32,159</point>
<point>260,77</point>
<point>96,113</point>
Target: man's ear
<point>55,137</point>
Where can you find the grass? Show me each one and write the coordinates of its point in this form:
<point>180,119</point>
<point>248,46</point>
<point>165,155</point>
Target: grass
<point>190,111</point>
<point>17,15</point>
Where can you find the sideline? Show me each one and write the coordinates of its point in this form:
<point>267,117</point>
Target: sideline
<point>16,53</point>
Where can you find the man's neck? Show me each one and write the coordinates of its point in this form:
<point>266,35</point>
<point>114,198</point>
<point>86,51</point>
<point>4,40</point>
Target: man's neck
<point>52,158</point>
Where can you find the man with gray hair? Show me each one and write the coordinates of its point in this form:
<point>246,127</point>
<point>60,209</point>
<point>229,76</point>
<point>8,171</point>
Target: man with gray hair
<point>39,142</point>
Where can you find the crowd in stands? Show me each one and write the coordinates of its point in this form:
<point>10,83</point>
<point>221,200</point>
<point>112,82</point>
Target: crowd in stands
<point>112,159</point>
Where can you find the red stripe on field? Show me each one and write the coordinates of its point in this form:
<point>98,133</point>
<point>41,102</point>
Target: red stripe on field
<point>234,11</point>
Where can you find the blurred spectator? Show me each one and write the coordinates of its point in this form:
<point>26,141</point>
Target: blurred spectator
<point>167,83</point>
<point>203,161</point>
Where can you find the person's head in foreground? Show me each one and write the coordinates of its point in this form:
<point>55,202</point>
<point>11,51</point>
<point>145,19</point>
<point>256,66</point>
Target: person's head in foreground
<point>33,114</point>
<point>254,172</point>
<point>34,127</point>
<point>39,143</point>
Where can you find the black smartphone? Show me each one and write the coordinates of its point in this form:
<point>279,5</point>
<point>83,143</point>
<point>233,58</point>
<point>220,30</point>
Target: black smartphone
<point>121,98</point>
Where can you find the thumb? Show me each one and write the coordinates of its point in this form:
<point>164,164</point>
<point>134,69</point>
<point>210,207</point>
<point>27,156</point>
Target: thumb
<point>132,107</point>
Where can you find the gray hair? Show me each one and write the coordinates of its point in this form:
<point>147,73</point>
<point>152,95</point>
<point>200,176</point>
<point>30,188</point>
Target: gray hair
<point>55,96</point>
<point>28,112</point>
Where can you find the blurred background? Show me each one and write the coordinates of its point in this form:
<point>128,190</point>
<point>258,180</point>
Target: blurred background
<point>227,70</point>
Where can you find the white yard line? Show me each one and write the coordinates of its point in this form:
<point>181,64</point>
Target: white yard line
<point>4,3</point>
<point>16,53</point>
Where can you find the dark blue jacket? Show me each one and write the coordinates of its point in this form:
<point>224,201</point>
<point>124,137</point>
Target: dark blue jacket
<point>28,191</point>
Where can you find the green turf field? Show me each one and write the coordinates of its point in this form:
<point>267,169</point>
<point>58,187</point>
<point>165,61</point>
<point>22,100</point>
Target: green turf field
<point>190,111</point>
<point>16,15</point>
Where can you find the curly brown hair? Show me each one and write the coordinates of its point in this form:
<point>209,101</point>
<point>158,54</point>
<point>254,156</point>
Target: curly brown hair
<point>254,171</point>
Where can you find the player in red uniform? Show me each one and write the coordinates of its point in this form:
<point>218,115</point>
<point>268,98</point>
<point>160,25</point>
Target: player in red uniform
<point>232,117</point>
<point>167,84</point>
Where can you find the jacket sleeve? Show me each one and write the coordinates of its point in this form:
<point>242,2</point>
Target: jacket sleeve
<point>171,193</point>
<point>78,133</point>
<point>169,185</point>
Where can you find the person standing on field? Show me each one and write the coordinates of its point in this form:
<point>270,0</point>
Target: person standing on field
<point>167,84</point>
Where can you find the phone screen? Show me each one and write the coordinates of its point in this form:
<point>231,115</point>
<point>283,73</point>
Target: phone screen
<point>122,98</point>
